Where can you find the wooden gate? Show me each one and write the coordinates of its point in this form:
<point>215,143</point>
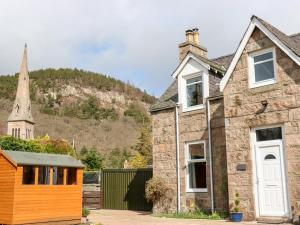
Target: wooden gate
<point>125,189</point>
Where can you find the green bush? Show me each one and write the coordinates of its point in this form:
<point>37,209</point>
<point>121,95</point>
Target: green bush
<point>197,214</point>
<point>85,212</point>
<point>92,159</point>
<point>117,157</point>
<point>43,145</point>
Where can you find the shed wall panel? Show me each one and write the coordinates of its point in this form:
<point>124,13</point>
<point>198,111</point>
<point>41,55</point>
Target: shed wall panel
<point>44,203</point>
<point>7,178</point>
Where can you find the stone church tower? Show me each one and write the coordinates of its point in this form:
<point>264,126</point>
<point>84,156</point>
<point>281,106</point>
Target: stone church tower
<point>20,123</point>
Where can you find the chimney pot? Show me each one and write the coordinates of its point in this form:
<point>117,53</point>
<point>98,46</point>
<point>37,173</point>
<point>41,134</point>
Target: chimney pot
<point>196,36</point>
<point>189,36</point>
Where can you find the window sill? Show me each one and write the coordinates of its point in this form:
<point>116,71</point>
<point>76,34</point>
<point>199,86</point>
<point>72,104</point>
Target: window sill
<point>192,108</point>
<point>197,190</point>
<point>263,83</point>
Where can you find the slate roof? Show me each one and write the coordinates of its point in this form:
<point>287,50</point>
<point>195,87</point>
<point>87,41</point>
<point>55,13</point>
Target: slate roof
<point>43,159</point>
<point>169,98</point>
<point>289,41</point>
<point>295,37</point>
<point>224,60</point>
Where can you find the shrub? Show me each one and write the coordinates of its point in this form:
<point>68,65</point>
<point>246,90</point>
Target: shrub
<point>92,159</point>
<point>43,145</point>
<point>236,202</point>
<point>139,161</point>
<point>85,212</point>
<point>158,192</point>
<point>116,158</point>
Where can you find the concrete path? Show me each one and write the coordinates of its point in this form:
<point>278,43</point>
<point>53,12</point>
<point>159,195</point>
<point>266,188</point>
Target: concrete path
<point>118,217</point>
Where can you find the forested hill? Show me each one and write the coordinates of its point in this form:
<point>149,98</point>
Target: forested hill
<point>93,109</point>
<point>54,79</point>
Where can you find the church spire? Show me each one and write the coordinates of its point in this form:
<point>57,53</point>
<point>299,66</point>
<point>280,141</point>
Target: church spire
<point>22,106</point>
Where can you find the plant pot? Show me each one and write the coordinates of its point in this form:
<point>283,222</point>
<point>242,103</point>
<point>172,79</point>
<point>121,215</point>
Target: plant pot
<point>236,216</point>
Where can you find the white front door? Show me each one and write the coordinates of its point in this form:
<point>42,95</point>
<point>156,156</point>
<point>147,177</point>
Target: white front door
<point>270,172</point>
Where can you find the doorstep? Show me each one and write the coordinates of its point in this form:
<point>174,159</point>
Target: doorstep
<point>273,220</point>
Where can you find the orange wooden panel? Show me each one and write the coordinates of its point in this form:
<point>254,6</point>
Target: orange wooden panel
<point>7,178</point>
<point>38,203</point>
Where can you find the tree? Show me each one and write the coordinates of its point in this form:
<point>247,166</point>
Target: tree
<point>139,161</point>
<point>92,159</point>
<point>117,158</point>
<point>144,145</point>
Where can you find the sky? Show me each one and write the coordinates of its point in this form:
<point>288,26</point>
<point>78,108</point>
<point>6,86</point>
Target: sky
<point>132,40</point>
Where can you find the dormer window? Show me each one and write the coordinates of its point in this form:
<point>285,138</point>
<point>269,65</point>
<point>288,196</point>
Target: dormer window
<point>194,92</point>
<point>262,68</point>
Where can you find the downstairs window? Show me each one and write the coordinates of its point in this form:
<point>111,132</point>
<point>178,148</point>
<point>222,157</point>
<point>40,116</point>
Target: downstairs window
<point>196,166</point>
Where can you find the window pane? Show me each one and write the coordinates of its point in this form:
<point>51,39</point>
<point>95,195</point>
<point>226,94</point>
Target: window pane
<point>270,157</point>
<point>28,174</point>
<point>193,80</point>
<point>263,57</point>
<point>72,176</point>
<point>264,71</point>
<point>197,151</point>
<point>269,134</point>
<point>44,175</point>
<point>197,175</point>
<point>58,175</point>
<point>194,94</point>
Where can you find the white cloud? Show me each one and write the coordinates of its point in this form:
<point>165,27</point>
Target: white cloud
<point>129,39</point>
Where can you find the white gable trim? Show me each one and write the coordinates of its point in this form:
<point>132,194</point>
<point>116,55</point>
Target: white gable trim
<point>185,61</point>
<point>255,23</point>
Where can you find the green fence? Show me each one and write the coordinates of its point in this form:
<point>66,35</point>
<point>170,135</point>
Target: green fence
<point>125,189</point>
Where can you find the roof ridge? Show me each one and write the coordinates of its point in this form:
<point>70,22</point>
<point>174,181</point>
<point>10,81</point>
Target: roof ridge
<point>40,153</point>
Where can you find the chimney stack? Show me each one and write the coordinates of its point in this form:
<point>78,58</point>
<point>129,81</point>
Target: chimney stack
<point>191,45</point>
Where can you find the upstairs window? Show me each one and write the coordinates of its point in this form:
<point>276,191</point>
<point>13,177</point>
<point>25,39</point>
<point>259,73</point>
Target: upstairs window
<point>194,91</point>
<point>196,166</point>
<point>262,71</point>
<point>28,175</point>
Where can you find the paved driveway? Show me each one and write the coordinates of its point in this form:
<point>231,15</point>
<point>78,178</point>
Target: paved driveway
<point>118,217</point>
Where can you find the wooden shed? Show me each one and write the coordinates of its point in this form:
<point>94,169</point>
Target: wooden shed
<point>38,188</point>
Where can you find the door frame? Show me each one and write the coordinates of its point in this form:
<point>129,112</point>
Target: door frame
<point>254,168</point>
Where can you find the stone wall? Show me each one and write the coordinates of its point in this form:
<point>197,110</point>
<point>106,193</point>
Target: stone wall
<point>164,151</point>
<point>242,112</point>
<point>192,127</point>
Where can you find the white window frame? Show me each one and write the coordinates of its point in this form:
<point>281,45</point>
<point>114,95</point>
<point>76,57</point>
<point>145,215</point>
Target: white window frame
<point>187,108</point>
<point>252,83</point>
<point>188,160</point>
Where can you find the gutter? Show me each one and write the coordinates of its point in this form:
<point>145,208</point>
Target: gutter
<point>210,157</point>
<point>177,158</point>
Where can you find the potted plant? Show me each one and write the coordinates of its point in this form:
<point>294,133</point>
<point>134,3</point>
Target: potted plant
<point>236,215</point>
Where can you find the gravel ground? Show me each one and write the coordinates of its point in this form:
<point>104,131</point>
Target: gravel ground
<point>123,217</point>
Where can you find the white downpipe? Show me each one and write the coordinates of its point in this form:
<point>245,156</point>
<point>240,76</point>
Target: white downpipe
<point>210,159</point>
<point>177,159</point>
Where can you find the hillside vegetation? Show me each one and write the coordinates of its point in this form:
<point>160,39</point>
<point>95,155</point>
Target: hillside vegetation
<point>94,110</point>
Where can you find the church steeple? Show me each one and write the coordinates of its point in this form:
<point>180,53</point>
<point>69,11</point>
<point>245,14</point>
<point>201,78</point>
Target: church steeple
<point>20,122</point>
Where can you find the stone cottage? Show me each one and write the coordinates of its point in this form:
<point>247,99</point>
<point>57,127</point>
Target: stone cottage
<point>233,122</point>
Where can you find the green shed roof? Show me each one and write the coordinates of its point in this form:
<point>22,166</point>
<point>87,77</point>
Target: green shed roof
<point>43,159</point>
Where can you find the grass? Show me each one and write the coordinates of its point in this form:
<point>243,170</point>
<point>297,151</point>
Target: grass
<point>197,214</point>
